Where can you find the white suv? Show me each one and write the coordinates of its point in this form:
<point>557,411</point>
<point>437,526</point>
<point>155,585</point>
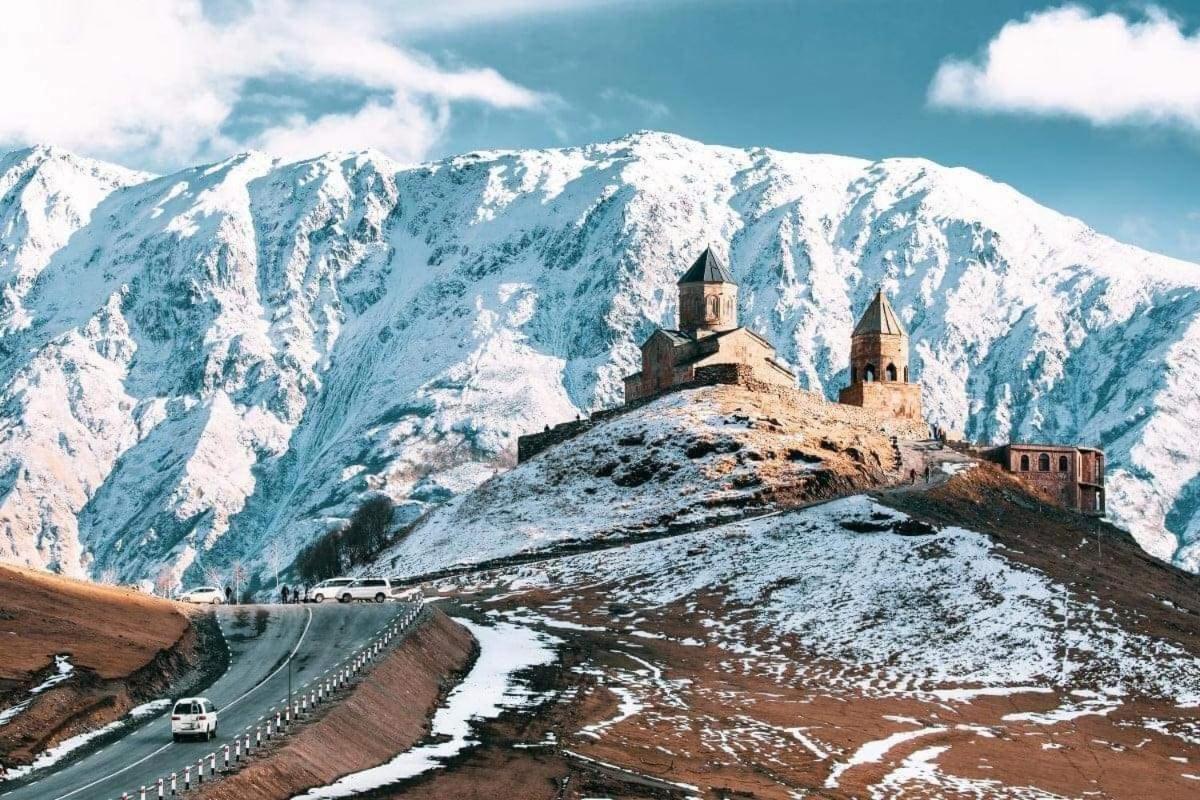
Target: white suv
<point>377,589</point>
<point>193,716</point>
<point>203,594</point>
<point>331,588</point>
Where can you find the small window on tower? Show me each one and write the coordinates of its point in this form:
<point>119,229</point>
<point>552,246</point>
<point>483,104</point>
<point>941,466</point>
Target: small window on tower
<point>1024,463</point>
<point>891,372</point>
<point>1062,463</point>
<point>714,307</point>
<point>1044,462</point>
<point>868,373</point>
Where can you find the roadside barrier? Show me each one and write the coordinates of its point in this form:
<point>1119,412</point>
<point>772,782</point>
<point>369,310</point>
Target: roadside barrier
<point>278,721</point>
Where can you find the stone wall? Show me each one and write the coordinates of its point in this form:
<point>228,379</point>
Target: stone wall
<point>901,400</point>
<point>742,375</point>
<point>531,444</point>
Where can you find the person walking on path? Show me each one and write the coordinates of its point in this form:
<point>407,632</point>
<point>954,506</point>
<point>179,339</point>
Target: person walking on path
<point>928,471</point>
<point>912,476</point>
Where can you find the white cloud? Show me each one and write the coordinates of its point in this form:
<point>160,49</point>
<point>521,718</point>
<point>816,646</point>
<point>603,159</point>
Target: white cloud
<point>1068,61</point>
<point>653,109</point>
<point>155,81</point>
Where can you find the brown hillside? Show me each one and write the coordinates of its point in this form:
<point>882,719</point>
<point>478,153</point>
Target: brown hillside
<point>108,630</point>
<point>124,647</point>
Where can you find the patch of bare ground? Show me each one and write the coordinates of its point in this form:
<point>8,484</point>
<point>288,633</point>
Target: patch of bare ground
<point>124,647</point>
<point>381,716</point>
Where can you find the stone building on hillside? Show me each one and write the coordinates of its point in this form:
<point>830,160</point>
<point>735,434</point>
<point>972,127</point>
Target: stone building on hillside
<point>879,378</point>
<point>708,336</point>
<point>1071,476</point>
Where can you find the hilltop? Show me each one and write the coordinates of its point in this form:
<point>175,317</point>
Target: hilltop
<point>686,460</point>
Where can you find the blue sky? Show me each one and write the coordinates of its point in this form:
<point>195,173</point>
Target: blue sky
<point>1092,110</point>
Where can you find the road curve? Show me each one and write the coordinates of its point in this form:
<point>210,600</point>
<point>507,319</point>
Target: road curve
<point>265,644</point>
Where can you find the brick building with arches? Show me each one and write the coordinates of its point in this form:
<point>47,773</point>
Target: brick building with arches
<point>1070,476</point>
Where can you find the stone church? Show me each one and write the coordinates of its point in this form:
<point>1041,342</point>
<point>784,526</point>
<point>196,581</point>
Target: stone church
<point>708,337</point>
<point>879,379</point>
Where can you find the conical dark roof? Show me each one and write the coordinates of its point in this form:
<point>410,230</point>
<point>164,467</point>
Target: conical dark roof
<point>707,269</point>
<point>879,318</point>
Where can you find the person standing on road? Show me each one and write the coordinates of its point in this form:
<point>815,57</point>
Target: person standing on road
<point>928,471</point>
<point>283,593</point>
<point>912,476</point>
<point>228,595</point>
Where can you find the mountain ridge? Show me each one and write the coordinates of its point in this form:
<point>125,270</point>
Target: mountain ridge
<point>245,350</point>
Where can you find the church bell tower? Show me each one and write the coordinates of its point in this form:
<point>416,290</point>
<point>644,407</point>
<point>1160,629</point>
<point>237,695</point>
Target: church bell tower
<point>879,378</point>
<point>707,297</point>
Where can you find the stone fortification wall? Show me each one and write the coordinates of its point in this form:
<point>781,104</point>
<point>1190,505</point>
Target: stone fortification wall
<point>734,375</point>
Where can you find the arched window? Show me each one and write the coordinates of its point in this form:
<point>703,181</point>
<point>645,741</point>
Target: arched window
<point>1062,463</point>
<point>714,308</point>
<point>906,374</point>
<point>868,373</point>
<point>1044,462</point>
<point>1024,463</point>
<point>854,374</point>
<point>891,372</point>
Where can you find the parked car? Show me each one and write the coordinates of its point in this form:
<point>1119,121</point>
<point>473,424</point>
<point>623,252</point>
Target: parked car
<point>203,594</point>
<point>377,589</point>
<point>330,588</point>
<point>193,716</point>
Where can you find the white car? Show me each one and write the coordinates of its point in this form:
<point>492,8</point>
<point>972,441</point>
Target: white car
<point>204,594</point>
<point>377,589</point>
<point>193,716</point>
<point>331,588</point>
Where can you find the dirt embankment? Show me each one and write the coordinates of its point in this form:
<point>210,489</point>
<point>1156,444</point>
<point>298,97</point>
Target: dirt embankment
<point>123,648</point>
<point>1088,555</point>
<point>384,715</point>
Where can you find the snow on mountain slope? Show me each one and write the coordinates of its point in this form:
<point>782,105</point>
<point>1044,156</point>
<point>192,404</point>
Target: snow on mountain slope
<point>688,460</point>
<point>238,353</point>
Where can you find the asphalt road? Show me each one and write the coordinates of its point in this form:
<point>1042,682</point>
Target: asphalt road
<point>262,641</point>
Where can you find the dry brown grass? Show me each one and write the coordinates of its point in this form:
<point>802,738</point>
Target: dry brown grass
<point>108,630</point>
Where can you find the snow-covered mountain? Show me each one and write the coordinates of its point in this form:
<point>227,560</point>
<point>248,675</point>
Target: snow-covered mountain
<point>196,366</point>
